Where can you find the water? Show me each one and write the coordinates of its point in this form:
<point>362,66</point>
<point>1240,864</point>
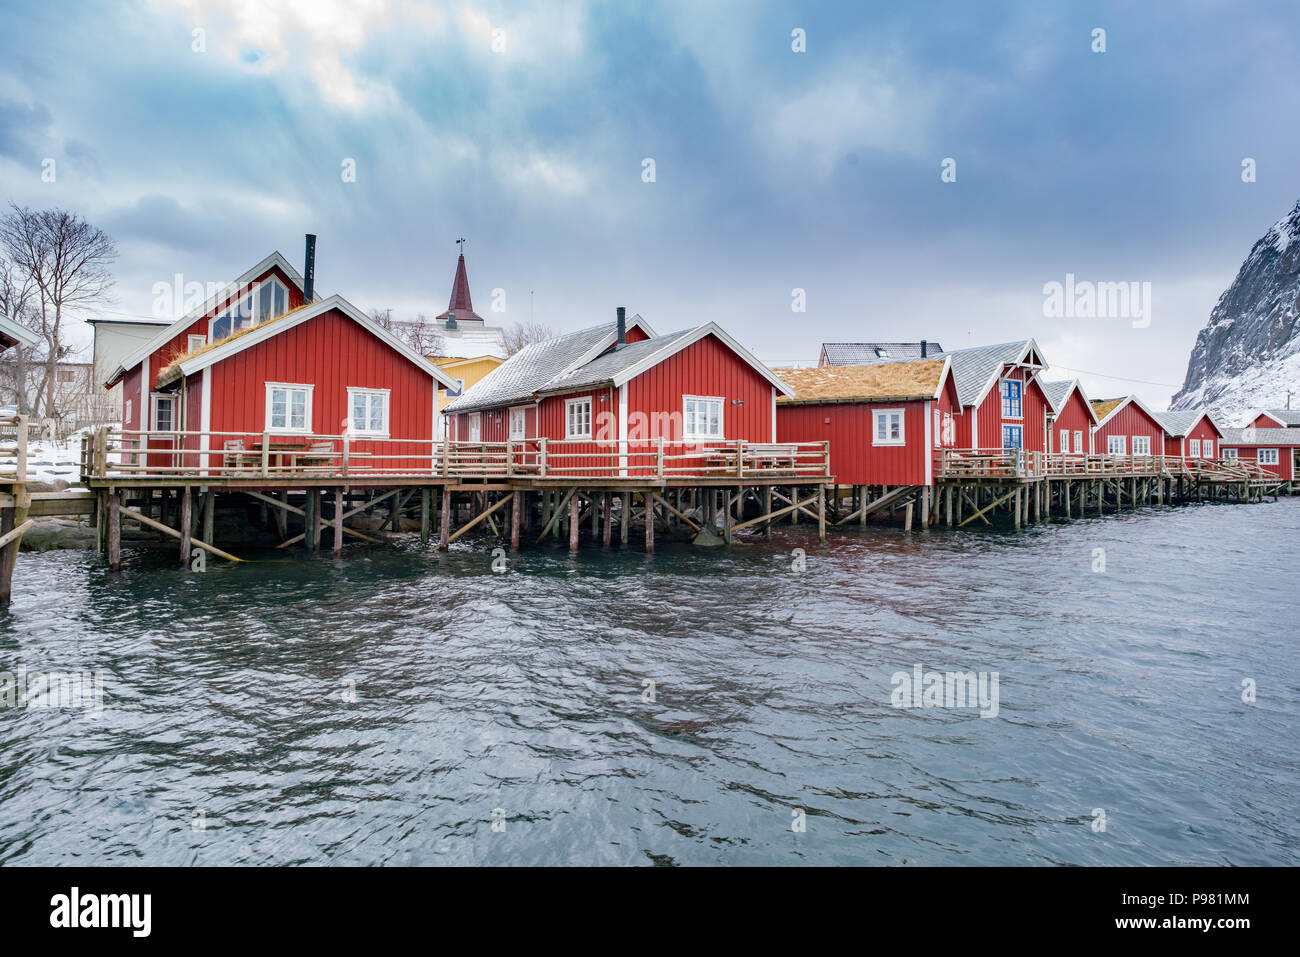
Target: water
<point>225,695</point>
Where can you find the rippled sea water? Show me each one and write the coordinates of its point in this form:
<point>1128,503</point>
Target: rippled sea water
<point>225,695</point>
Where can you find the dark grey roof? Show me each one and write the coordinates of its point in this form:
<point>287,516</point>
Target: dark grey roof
<point>866,353</point>
<point>973,368</point>
<point>530,369</point>
<point>1261,437</point>
<point>1057,392</point>
<point>1178,424</point>
<point>604,367</point>
<point>1290,416</point>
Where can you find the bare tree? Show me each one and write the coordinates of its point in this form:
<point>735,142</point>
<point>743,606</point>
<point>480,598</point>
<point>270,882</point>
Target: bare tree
<point>419,333</point>
<point>67,260</point>
<point>17,295</point>
<point>525,334</point>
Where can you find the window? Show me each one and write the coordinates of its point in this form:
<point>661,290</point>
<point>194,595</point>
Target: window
<point>1011,408</point>
<point>1194,448</point>
<point>1267,456</point>
<point>369,411</point>
<point>1078,442</point>
<point>163,408</point>
<point>1207,448</point>
<point>889,427</point>
<point>67,375</point>
<point>518,423</point>
<point>1012,436</point>
<point>938,428</point>
<point>264,302</point>
<point>195,342</point>
<point>577,418</point>
<point>1141,445</point>
<point>1229,453</point>
<point>475,427</point>
<point>1065,440</point>
<point>288,407</point>
<point>130,414</point>
<point>1116,445</point>
<point>701,417</point>
<point>949,434</point>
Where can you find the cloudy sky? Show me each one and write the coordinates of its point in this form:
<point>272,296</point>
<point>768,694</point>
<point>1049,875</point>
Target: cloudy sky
<point>525,127</point>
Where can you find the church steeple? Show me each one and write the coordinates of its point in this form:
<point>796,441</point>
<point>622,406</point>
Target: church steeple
<point>460,303</point>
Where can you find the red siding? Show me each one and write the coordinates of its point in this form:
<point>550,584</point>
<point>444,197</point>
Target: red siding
<point>1128,422</point>
<point>1074,417</point>
<point>1286,455</point>
<point>1204,429</point>
<point>330,352</point>
<point>849,428</point>
<point>1032,421</point>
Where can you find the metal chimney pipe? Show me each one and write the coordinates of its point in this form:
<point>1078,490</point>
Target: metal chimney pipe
<point>309,269</point>
<point>924,349</point>
<point>622,328</point>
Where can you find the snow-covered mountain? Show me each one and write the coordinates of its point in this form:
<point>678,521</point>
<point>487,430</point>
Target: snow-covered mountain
<point>1248,355</point>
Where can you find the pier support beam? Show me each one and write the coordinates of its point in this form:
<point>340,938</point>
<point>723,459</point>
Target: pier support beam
<point>444,520</point>
<point>573,521</point>
<point>338,521</point>
<point>649,521</point>
<point>114,531</point>
<point>516,505</point>
<point>187,519</point>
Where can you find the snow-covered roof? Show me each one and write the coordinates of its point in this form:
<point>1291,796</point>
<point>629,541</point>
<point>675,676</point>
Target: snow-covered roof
<point>13,332</point>
<point>1250,436</point>
<point>470,342</point>
<point>866,353</point>
<point>1181,423</point>
<point>975,370</point>
<point>1058,393</point>
<point>1287,417</point>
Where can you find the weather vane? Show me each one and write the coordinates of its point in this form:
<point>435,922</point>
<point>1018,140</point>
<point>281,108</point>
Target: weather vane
<point>461,244</point>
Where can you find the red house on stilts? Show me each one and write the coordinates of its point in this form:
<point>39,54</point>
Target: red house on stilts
<point>1003,405</point>
<point>1126,426</point>
<point>1071,418</point>
<point>264,370</point>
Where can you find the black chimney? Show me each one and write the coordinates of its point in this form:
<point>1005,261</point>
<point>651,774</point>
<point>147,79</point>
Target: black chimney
<point>924,348</point>
<point>309,269</point>
<point>622,328</point>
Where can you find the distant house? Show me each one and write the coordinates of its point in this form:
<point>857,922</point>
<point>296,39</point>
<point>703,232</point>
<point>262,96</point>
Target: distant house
<point>1276,419</point>
<point>1274,449</point>
<point>1071,418</point>
<point>115,339</point>
<point>883,421</point>
<point>1003,404</point>
<point>862,353</point>
<point>1191,434</point>
<point>621,382</point>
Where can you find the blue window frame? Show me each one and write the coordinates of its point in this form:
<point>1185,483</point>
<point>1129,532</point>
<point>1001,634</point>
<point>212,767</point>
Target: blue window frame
<point>1012,436</point>
<point>1011,408</point>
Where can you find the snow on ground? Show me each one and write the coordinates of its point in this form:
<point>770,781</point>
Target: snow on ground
<point>51,461</point>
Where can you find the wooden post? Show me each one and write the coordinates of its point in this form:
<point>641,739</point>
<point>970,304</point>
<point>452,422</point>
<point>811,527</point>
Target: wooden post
<point>649,521</point>
<point>767,510</point>
<point>596,498</point>
<point>426,507</point>
<point>624,517</point>
<point>114,532</point>
<point>947,496</point>
<point>187,516</point>
<point>444,519</point>
<point>821,513</point>
<point>925,506</point>
<point>1016,507</point>
<point>607,507</point>
<point>727,519</point>
<point>907,518</point>
<point>310,514</point>
<point>338,520</point>
<point>516,503</point>
<point>210,516</point>
<point>573,521</point>
<point>8,554</point>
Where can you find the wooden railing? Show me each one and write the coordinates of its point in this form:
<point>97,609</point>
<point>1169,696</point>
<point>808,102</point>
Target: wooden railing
<point>13,457</point>
<point>1021,464</point>
<point>123,453</point>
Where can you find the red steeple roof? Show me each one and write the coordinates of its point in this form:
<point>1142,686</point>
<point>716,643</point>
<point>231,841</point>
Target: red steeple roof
<point>460,302</point>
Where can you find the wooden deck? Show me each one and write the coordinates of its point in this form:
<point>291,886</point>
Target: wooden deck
<point>965,466</point>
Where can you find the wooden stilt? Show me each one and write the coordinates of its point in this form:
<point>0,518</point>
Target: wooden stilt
<point>444,519</point>
<point>649,521</point>
<point>516,505</point>
<point>907,518</point>
<point>821,514</point>
<point>338,521</point>
<point>209,517</point>
<point>573,521</point>
<point>187,517</point>
<point>114,531</point>
<point>426,518</point>
<point>607,517</point>
<point>767,510</point>
<point>624,517</point>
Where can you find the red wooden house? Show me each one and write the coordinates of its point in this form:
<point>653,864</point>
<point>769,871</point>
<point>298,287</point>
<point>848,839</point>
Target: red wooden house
<point>621,383</point>
<point>1274,449</point>
<point>1275,419</point>
<point>265,363</point>
<point>1003,405</point>
<point>1071,418</point>
<point>883,421</point>
<point>1193,435</point>
<point>1127,427</point>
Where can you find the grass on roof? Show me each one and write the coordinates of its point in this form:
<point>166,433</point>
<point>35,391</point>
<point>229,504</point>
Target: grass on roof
<point>169,370</point>
<point>888,380</point>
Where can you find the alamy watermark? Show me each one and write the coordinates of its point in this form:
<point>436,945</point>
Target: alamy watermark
<point>56,689</point>
<point>946,689</point>
<point>1084,299</point>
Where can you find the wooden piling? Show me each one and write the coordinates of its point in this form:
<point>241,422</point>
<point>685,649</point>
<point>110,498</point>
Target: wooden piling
<point>338,521</point>
<point>186,526</point>
<point>607,518</point>
<point>444,519</point>
<point>114,532</point>
<point>649,521</point>
<point>426,517</point>
<point>573,521</point>
<point>516,505</point>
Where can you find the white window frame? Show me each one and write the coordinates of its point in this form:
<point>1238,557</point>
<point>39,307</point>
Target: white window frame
<point>368,432</point>
<point>569,406</point>
<point>519,414</point>
<point>1207,448</point>
<point>154,399</point>
<point>256,318</point>
<point>1194,448</point>
<point>475,425</point>
<point>1120,440</point>
<point>1138,445</point>
<point>949,430</point>
<point>307,408</point>
<point>1228,453</point>
<point>1267,457</point>
<point>1078,441</point>
<point>877,415</point>
<point>690,435</point>
<point>195,341</point>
